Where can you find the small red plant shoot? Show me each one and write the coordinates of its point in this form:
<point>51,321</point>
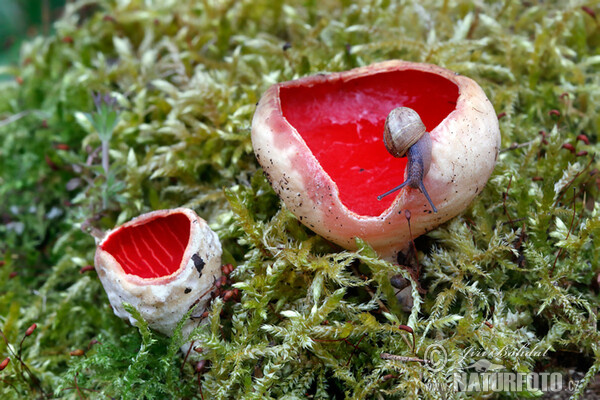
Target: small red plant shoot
<point>77,353</point>
<point>30,330</point>
<point>410,330</point>
<point>569,146</point>
<point>583,138</point>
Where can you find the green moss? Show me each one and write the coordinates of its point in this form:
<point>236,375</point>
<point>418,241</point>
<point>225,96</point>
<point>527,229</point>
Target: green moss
<point>312,320</point>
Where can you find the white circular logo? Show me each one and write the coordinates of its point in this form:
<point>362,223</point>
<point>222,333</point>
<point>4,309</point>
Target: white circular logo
<point>436,357</point>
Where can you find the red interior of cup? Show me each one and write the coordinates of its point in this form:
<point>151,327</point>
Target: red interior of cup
<point>342,122</point>
<point>153,248</point>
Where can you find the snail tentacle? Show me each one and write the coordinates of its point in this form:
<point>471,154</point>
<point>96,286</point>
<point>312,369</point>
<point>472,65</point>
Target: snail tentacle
<point>424,191</point>
<point>381,196</point>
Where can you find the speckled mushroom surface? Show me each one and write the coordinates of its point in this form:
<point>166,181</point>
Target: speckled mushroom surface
<point>162,263</point>
<point>319,141</point>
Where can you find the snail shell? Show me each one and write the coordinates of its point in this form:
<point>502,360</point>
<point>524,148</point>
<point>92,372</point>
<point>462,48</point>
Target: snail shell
<point>403,128</point>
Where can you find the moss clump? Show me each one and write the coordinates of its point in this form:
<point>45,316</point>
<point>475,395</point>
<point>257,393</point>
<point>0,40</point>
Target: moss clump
<point>518,270</point>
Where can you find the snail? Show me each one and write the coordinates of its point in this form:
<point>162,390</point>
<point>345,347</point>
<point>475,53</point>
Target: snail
<point>405,135</point>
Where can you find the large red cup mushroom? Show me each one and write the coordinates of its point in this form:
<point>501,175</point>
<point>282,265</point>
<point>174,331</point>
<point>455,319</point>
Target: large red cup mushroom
<point>162,263</point>
<point>320,142</point>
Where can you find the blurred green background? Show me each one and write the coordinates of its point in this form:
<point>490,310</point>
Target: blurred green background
<point>23,19</point>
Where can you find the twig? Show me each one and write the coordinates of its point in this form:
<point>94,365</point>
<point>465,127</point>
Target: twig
<point>13,118</point>
<point>77,389</point>
<point>514,220</point>
<point>200,387</point>
<point>517,146</point>
<point>504,197</point>
<point>407,215</point>
<point>393,357</point>
<point>90,159</point>
<point>355,349</point>
<point>187,354</point>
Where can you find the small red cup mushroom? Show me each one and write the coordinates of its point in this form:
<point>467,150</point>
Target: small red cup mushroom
<point>320,142</point>
<point>162,263</point>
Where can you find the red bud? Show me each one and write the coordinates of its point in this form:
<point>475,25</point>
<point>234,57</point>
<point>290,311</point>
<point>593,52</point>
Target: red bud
<point>227,269</point>
<point>50,163</point>
<point>405,328</point>
<point>582,153</point>
<point>537,178</point>
<point>4,363</point>
<point>489,325</point>
<point>554,112</point>
<point>30,330</point>
<point>221,281</point>
<point>86,269</point>
<point>228,295</point>
<point>569,147</point>
<point>589,11</point>
<point>77,353</point>
<point>583,138</point>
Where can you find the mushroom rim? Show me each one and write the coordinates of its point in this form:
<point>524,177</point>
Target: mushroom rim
<point>111,263</point>
<point>461,82</point>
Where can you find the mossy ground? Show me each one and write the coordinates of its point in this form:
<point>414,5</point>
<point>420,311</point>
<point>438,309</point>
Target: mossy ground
<point>518,270</point>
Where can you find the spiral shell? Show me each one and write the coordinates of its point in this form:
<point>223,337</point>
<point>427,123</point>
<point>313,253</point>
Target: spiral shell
<point>403,128</point>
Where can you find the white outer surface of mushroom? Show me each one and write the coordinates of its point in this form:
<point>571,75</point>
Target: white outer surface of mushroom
<point>163,301</point>
<point>464,151</point>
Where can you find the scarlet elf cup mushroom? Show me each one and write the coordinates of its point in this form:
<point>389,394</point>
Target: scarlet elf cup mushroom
<point>320,142</point>
<point>162,263</point>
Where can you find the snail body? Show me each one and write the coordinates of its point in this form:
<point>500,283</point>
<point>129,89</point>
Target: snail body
<point>406,135</point>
